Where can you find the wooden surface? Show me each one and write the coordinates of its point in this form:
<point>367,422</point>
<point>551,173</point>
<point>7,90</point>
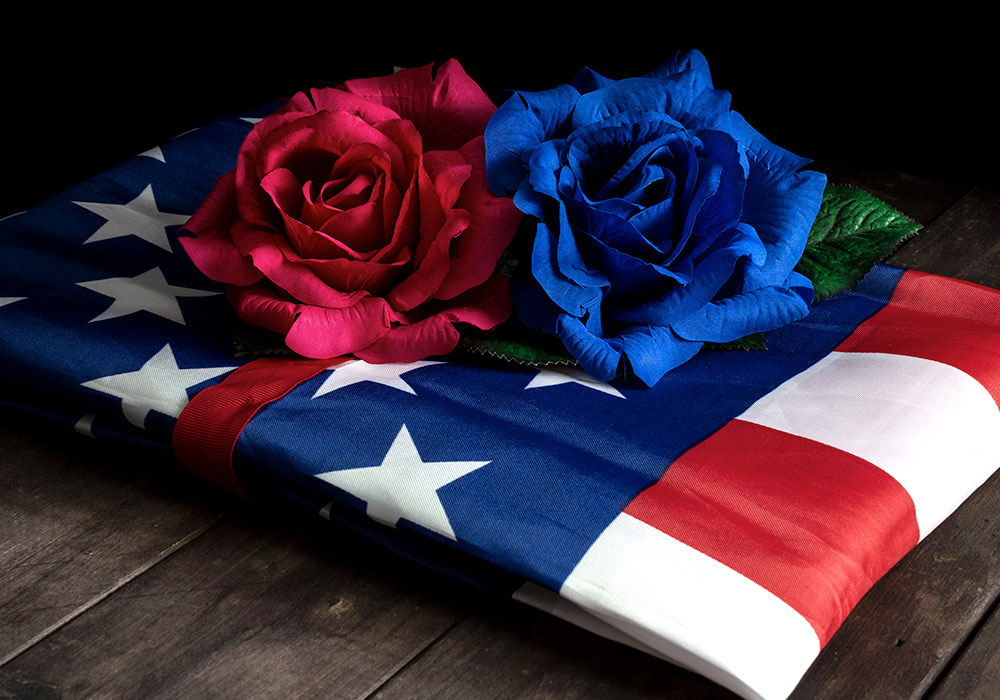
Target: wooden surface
<point>122,576</point>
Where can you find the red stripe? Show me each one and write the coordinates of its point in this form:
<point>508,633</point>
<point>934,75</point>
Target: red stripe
<point>938,318</point>
<point>211,423</point>
<point>814,525</point>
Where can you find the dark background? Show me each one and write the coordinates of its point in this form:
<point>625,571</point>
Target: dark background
<point>916,98</point>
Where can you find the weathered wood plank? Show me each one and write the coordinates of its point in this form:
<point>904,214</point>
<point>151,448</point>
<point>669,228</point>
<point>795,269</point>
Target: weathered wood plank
<point>975,673</point>
<point>964,242</point>
<point>259,606</point>
<point>915,621</point>
<point>78,519</point>
<point>512,651</point>
<point>920,198</point>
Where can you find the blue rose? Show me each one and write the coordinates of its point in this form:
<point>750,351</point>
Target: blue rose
<point>657,219</point>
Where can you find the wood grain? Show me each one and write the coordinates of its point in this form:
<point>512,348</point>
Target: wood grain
<point>975,672</point>
<point>964,242</point>
<point>511,651</point>
<point>79,519</point>
<point>920,198</point>
<point>256,607</point>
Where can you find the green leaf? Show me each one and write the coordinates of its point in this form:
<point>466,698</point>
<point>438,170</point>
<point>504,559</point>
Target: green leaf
<point>852,232</point>
<point>512,342</point>
<point>754,341</point>
<point>252,341</point>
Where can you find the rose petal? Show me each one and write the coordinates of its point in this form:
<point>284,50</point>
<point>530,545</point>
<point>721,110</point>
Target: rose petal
<point>684,96</point>
<point>752,312</point>
<point>409,144</point>
<point>259,305</point>
<point>783,214</point>
<point>340,194</point>
<point>337,100</point>
<point>429,216</point>
<point>489,231</point>
<point>597,356</point>
<point>362,275</point>
<point>611,159</point>
<point>312,145</point>
<point>693,61</point>
<point>361,226</point>
<point>300,148</point>
<point>212,249</point>
<point>432,268</point>
<point>447,107</point>
<point>712,272</point>
<point>319,332</point>
<point>484,307</point>
<point>534,307</point>
<point>546,170</point>
<point>406,227</point>
<point>568,258</point>
<point>336,197</point>
<point>725,208</point>
<point>410,343</point>
<point>588,80</point>
<point>652,351</point>
<point>702,184</point>
<point>629,276</point>
<point>781,202</point>
<point>449,170</point>
<point>574,298</point>
<point>313,331</point>
<point>518,127</point>
<point>274,257</point>
<point>360,232</point>
<point>253,203</point>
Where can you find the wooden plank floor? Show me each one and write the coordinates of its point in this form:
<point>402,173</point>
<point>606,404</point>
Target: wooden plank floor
<point>121,576</point>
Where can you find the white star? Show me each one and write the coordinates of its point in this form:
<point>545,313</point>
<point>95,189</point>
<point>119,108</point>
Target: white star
<point>85,426</point>
<point>565,375</point>
<point>140,217</point>
<point>10,300</point>
<point>158,386</point>
<point>146,292</point>
<point>154,153</point>
<point>356,371</point>
<point>404,486</point>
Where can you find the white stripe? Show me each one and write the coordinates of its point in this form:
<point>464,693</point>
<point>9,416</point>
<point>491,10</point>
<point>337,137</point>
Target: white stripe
<point>552,603</point>
<point>929,425</point>
<point>692,610</point>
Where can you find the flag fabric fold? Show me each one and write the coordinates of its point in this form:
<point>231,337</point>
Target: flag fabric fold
<point>727,519</point>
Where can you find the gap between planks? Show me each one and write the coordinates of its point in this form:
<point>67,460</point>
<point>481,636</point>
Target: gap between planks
<point>413,660</point>
<point>111,590</point>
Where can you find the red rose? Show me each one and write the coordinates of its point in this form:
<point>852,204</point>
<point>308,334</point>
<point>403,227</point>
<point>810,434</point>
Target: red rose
<point>358,219</point>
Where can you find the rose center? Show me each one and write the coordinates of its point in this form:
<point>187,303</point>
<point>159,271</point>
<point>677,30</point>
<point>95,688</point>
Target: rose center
<point>344,193</point>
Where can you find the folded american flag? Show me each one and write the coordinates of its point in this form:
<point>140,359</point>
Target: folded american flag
<point>727,519</point>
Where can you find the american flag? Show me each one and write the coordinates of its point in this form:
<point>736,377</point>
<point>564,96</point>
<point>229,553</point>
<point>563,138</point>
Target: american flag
<point>727,519</point>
